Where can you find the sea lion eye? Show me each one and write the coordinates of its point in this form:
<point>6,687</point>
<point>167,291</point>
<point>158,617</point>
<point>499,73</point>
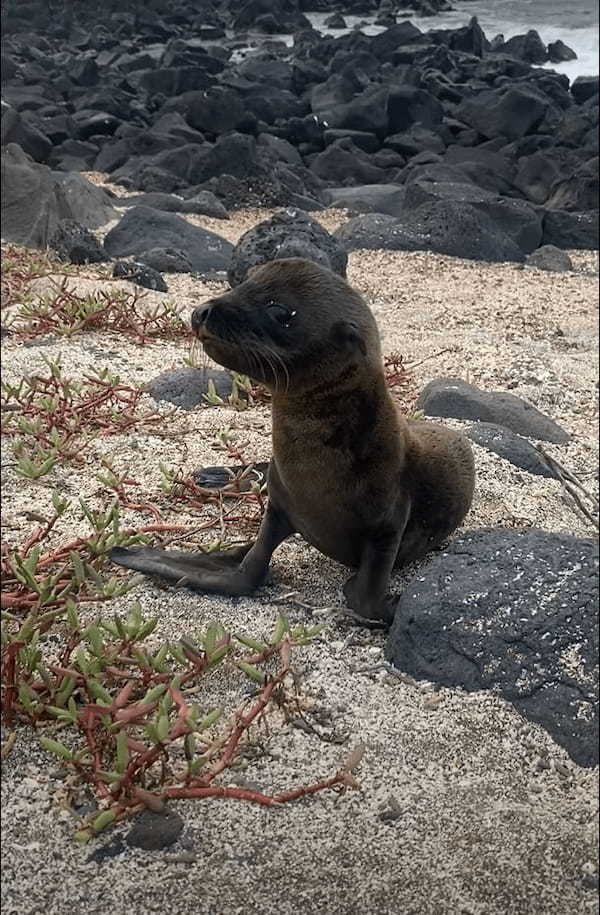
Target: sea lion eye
<point>281,314</point>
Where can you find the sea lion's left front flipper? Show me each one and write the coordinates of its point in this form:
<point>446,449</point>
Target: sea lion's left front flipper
<point>366,591</point>
<point>235,572</point>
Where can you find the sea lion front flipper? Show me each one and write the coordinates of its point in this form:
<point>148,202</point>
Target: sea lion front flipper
<point>237,571</point>
<point>366,591</point>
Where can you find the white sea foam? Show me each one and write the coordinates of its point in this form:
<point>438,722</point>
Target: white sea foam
<point>575,24</point>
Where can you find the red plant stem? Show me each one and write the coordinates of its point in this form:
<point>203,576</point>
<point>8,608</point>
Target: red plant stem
<point>96,782</point>
<point>256,797</point>
<point>64,551</point>
<point>243,722</point>
<point>15,601</point>
<point>9,679</point>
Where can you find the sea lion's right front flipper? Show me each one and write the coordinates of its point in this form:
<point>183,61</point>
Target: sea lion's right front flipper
<point>237,571</point>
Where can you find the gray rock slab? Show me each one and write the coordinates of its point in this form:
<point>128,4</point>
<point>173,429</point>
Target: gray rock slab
<point>515,612</point>
<point>453,397</point>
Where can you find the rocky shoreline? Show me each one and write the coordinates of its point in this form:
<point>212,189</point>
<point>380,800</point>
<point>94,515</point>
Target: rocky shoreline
<point>173,147</point>
<point>440,140</point>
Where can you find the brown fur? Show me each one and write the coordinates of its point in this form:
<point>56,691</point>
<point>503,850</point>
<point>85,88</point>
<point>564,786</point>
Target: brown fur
<point>358,481</point>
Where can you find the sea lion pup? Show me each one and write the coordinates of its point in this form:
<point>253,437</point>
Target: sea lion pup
<point>364,485</point>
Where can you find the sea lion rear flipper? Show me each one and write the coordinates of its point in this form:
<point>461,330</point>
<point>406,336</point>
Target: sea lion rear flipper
<point>196,570</point>
<point>236,571</point>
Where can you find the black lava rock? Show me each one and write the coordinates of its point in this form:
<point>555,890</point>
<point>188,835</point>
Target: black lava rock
<point>571,230</point>
<point>511,447</point>
<point>201,203</point>
<point>28,201</point>
<point>140,274</point>
<point>369,198</point>
<point>186,387</point>
<point>510,113</point>
<point>378,230</point>
<point>15,129</point>
<point>289,233</point>
<point>453,397</point>
<point>219,477</point>
<point>142,229</point>
<point>74,244</point>
<point>515,612</point>
<point>584,88</point>
<point>166,260</point>
<point>444,226</point>
<point>153,831</point>
<point>82,201</point>
<point>529,48</point>
<point>558,52</point>
<point>172,106</point>
<point>550,258</point>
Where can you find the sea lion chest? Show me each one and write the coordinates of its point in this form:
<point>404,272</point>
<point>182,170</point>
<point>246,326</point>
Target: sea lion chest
<point>332,481</point>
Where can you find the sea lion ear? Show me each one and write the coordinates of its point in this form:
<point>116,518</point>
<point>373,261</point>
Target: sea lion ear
<point>346,335</point>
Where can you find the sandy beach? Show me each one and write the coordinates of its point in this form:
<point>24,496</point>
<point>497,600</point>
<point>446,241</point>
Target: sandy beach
<point>480,826</point>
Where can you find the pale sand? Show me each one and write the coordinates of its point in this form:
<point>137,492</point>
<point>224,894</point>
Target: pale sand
<point>482,830</point>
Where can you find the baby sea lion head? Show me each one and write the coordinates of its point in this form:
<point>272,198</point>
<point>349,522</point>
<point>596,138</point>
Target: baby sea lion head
<point>290,323</point>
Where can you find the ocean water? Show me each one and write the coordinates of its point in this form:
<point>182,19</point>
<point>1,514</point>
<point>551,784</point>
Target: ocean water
<point>573,21</point>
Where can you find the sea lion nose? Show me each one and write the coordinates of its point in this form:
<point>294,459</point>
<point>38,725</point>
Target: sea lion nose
<point>200,316</point>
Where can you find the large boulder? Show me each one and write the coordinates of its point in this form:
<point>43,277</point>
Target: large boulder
<point>218,111</point>
<point>570,230</point>
<point>343,161</point>
<point>514,612</point>
<point>489,170</point>
<point>28,202</point>
<point>202,203</point>
<point>453,397</point>
<point>384,44</point>
<point>375,231</point>
<point>511,447</point>
<point>289,233</point>
<point>235,154</point>
<point>514,218</point>
<point>510,113</point>
<point>14,128</point>
<point>407,106</point>
<point>369,198</point>
<point>558,52</point>
<point>367,112</point>
<point>415,140</point>
<point>82,201</point>
<point>74,244</point>
<point>142,229</point>
<point>271,16</point>
<point>443,226</point>
<point>536,175</point>
<point>550,258</point>
<point>529,48</point>
<point>578,192</point>
<point>34,199</point>
<point>584,88</point>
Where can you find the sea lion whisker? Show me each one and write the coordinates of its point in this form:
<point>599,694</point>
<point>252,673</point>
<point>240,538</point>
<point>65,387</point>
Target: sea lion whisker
<point>262,352</point>
<point>278,358</point>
